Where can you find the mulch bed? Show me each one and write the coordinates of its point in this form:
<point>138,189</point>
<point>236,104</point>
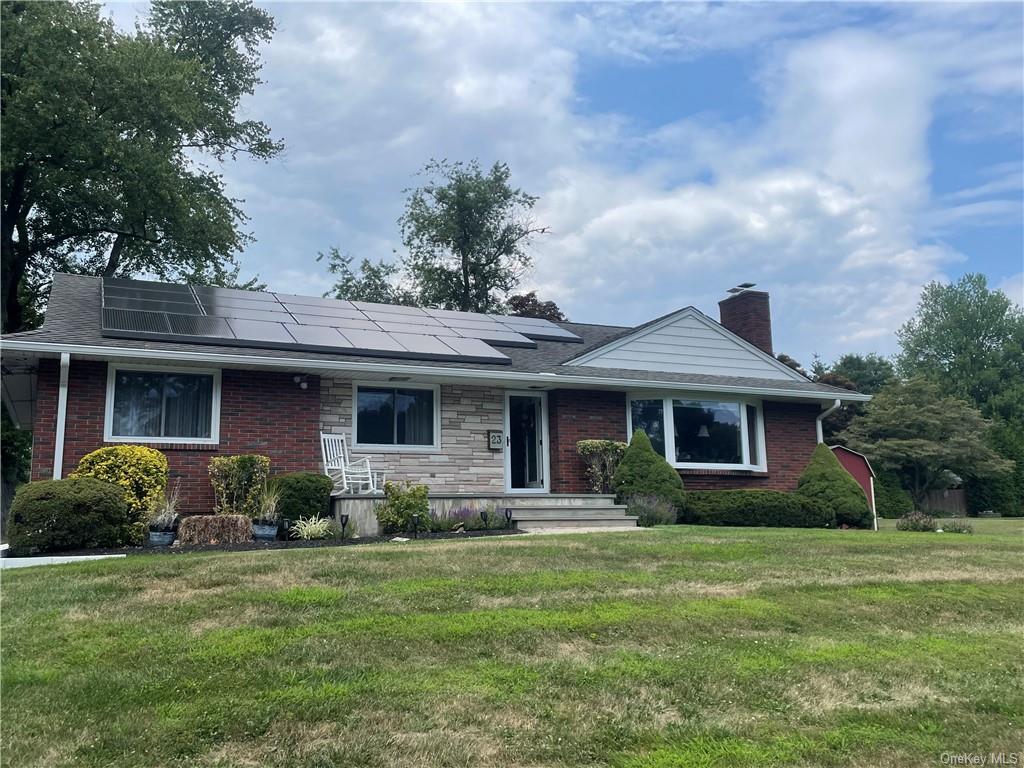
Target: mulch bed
<point>259,545</point>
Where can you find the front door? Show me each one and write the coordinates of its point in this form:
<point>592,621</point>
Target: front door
<point>526,453</point>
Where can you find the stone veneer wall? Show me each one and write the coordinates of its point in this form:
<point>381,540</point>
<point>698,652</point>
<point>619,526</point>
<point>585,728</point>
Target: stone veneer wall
<point>464,463</point>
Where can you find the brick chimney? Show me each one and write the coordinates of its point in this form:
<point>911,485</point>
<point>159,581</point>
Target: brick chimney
<point>748,314</point>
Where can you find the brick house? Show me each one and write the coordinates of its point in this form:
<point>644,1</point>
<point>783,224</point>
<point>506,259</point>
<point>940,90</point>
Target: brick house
<point>479,408</point>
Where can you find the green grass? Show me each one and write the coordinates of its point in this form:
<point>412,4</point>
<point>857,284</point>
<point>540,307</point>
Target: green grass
<point>678,646</point>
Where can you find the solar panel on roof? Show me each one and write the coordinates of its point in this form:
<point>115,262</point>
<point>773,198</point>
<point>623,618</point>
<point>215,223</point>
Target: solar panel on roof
<point>253,314</point>
<point>454,315</point>
<point>139,293</point>
<point>375,340</point>
<point>428,345</point>
<point>312,309</point>
<point>257,330</point>
<point>391,317</point>
<point>396,309</point>
<point>145,305</point>
<point>428,330</point>
<point>474,348</point>
<point>313,301</point>
<point>135,320</point>
<point>200,325</point>
<point>213,292</point>
<point>318,336</point>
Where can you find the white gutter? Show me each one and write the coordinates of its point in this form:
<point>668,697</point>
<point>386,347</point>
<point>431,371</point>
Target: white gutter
<point>822,415</point>
<point>473,374</point>
<point>62,414</point>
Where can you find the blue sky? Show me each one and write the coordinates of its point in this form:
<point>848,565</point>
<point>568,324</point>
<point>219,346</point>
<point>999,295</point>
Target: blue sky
<point>839,156</point>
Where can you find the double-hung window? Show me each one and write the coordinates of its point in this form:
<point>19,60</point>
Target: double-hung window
<point>162,406</point>
<point>396,418</point>
<point>702,433</point>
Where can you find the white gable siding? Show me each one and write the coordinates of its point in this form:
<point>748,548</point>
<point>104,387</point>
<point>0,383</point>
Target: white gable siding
<point>688,343</point>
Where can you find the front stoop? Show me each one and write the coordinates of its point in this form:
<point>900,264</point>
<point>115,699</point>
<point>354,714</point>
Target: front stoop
<point>589,514</point>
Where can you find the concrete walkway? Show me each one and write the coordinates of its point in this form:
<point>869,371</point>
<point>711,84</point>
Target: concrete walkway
<point>550,531</point>
<point>28,562</point>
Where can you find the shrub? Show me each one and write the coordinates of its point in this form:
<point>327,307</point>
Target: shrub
<point>163,515</point>
<point>916,521</point>
<point>77,513</point>
<point>891,500</point>
<point>140,472</point>
<point>643,472</point>
<point>775,509</point>
<point>469,519</point>
<point>602,458</point>
<point>650,510</point>
<point>238,483</point>
<point>824,480</point>
<point>303,494</point>
<point>958,526</point>
<point>1001,494</point>
<point>314,528</point>
<point>401,502</point>
<point>215,529</point>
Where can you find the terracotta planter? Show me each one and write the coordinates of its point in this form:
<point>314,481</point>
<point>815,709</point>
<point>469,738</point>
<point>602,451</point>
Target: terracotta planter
<point>264,532</point>
<point>161,538</point>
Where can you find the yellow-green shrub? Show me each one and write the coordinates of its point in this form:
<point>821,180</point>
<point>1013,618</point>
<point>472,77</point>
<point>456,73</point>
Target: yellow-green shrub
<point>238,483</point>
<point>140,472</point>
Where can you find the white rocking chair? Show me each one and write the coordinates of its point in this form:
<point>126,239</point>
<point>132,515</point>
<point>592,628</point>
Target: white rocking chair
<point>349,476</point>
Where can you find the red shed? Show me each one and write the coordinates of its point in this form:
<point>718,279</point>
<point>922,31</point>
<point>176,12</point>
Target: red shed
<point>857,464</point>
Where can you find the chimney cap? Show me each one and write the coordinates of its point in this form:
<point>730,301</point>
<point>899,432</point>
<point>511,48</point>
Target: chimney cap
<point>741,288</point>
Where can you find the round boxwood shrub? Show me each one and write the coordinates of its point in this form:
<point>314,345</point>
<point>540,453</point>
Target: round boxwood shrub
<point>77,513</point>
<point>827,482</point>
<point>644,472</point>
<point>775,509</point>
<point>401,502</point>
<point>302,494</point>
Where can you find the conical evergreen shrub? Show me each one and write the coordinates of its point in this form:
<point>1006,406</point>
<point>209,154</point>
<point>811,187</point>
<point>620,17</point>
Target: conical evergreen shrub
<point>825,481</point>
<point>644,472</point>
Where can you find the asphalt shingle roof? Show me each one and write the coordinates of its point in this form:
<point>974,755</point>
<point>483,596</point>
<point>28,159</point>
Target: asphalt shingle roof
<point>74,317</point>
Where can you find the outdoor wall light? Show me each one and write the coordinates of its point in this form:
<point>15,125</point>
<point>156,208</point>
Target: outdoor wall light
<point>416,525</point>
<point>301,381</point>
<point>508,517</point>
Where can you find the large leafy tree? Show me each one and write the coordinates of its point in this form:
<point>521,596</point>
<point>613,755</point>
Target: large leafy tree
<point>467,232</point>
<point>862,373</point>
<point>528,305</point>
<point>913,428</point>
<point>371,281</point>
<point>112,142</point>
<point>970,340</point>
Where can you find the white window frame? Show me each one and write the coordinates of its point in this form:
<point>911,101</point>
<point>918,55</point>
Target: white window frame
<point>108,411</point>
<point>670,432</point>
<point>358,447</point>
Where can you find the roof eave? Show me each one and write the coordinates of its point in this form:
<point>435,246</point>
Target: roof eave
<point>475,374</point>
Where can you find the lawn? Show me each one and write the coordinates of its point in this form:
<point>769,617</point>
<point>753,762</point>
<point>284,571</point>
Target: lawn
<point>679,646</point>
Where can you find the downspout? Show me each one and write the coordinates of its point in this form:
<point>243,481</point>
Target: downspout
<point>62,414</point>
<point>822,415</point>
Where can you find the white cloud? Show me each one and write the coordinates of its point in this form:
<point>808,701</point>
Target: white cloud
<point>825,201</point>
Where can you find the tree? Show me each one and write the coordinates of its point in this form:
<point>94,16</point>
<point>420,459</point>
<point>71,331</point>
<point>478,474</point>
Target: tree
<point>528,305</point>
<point>1005,494</point>
<point>644,472</point>
<point>467,233</point>
<point>826,482</point>
<point>786,360</point>
<point>868,373</point>
<point>372,282</point>
<point>106,136</point>
<point>913,428</point>
<point>968,339</point>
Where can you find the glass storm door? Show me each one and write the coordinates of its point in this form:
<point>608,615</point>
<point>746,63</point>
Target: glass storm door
<point>526,442</point>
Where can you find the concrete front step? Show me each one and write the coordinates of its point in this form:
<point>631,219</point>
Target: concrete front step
<point>568,513</point>
<point>557,500</point>
<point>546,523</point>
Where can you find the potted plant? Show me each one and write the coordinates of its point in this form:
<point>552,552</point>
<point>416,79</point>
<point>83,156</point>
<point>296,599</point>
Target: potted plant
<point>267,519</point>
<point>163,519</point>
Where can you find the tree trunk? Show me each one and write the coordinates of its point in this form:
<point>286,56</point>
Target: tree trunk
<point>13,256</point>
<point>466,302</point>
<point>114,259</point>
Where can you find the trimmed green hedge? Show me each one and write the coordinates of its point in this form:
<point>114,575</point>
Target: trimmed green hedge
<point>826,481</point>
<point>891,500</point>
<point>303,494</point>
<point>644,472</point>
<point>775,509</point>
<point>77,513</point>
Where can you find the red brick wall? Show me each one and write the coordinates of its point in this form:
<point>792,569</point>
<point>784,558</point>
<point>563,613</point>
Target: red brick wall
<point>578,414</point>
<point>260,412</point>
<point>790,437</point>
<point>749,316</point>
